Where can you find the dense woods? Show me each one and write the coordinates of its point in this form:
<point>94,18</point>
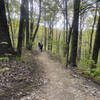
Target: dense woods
<point>77,29</point>
<point>69,29</point>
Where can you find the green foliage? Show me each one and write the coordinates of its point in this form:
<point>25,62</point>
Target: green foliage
<point>4,59</point>
<point>4,69</point>
<point>87,72</point>
<point>98,64</point>
<point>20,58</point>
<point>85,66</point>
<point>95,73</point>
<point>86,63</point>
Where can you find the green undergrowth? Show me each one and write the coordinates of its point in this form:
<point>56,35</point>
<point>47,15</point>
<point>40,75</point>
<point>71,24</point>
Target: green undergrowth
<point>4,69</point>
<point>4,59</point>
<point>27,53</point>
<point>85,68</point>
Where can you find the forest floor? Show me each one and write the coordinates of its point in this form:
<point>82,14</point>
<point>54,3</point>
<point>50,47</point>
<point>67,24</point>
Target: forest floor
<point>48,80</point>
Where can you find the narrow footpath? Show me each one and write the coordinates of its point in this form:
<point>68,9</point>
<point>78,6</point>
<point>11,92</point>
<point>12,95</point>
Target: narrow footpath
<point>62,84</point>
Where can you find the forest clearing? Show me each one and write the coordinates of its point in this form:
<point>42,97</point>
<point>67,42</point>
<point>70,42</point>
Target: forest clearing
<point>49,49</point>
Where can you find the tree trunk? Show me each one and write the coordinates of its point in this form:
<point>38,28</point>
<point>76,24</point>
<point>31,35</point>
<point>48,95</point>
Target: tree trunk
<point>27,24</point>
<point>58,44</point>
<point>75,33</point>
<point>31,24</point>
<point>64,38</point>
<point>50,39</point>
<point>91,38</point>
<point>36,30</point>
<point>5,41</point>
<point>67,46</point>
<point>80,36</point>
<point>96,43</point>
<point>10,22</point>
<point>45,37</point>
<point>32,38</point>
<point>56,40</point>
<point>80,44</point>
<point>66,27</point>
<point>21,28</point>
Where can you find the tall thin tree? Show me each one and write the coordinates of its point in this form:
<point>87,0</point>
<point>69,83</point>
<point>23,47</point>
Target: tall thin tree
<point>21,28</point>
<point>96,43</point>
<point>27,24</point>
<point>91,38</point>
<point>75,33</point>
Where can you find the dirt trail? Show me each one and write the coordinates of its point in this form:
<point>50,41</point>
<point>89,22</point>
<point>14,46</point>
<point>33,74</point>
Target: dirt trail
<point>62,84</point>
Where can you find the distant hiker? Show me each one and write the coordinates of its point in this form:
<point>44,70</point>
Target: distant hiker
<point>41,48</point>
<point>40,45</point>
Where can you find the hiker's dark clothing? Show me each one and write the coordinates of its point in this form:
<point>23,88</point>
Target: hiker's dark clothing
<point>40,45</point>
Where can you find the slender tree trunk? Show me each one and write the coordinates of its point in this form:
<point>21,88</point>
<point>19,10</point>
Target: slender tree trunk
<point>80,44</point>
<point>91,38</point>
<point>21,28</point>
<point>80,36</point>
<point>36,30</point>
<point>27,24</point>
<point>56,39</point>
<point>66,27</point>
<point>58,44</point>
<point>67,46</point>
<point>32,38</point>
<point>50,39</point>
<point>10,21</point>
<point>68,36</point>
<point>31,24</point>
<point>45,37</point>
<point>96,43</point>
<point>5,41</point>
<point>75,33</point>
<point>64,38</point>
<point>66,16</point>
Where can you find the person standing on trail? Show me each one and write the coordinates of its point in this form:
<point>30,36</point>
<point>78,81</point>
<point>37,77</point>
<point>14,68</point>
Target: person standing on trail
<point>40,45</point>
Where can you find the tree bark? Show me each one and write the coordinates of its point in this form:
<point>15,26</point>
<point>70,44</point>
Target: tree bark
<point>58,44</point>
<point>31,24</point>
<point>96,43</point>
<point>32,37</point>
<point>10,21</point>
<point>45,37</point>
<point>36,30</point>
<point>80,36</point>
<point>50,39</point>
<point>75,33</point>
<point>64,38</point>
<point>27,25</point>
<point>91,38</point>
<point>67,45</point>
<point>5,41</point>
<point>21,28</point>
